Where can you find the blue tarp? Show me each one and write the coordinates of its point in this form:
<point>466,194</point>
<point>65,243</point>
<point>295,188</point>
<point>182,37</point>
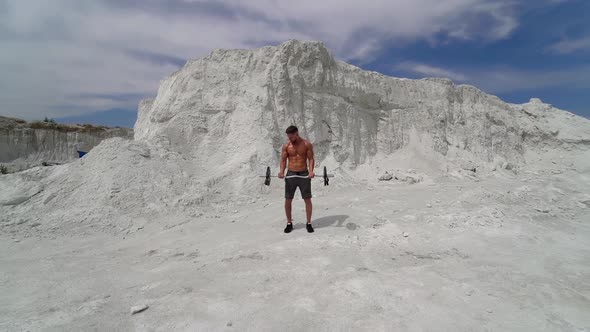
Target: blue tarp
<point>81,153</point>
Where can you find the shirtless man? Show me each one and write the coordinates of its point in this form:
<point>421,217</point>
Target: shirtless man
<point>299,152</point>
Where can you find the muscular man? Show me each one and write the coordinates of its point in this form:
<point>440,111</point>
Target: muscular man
<point>299,153</point>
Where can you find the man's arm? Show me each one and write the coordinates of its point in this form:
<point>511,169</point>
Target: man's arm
<point>311,160</point>
<point>283,161</point>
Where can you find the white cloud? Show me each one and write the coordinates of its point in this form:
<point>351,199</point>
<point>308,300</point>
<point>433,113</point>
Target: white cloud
<point>62,57</point>
<point>431,71</point>
<point>503,79</point>
<point>571,45</point>
<point>493,20</point>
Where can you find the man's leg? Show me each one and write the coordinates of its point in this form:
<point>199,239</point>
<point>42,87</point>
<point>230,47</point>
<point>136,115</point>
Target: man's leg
<point>289,193</point>
<point>305,188</point>
<point>308,209</point>
<point>288,206</point>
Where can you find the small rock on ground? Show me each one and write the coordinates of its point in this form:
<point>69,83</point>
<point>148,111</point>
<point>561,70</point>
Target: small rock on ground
<point>137,309</point>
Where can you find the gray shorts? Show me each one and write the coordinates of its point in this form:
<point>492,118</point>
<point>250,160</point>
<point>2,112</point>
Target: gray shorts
<point>292,184</point>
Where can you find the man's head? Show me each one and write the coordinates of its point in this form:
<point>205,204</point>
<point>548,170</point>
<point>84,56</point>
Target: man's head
<point>292,133</point>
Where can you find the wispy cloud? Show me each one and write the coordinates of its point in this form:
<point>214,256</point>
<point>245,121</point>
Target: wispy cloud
<point>505,79</point>
<point>493,21</point>
<point>567,46</point>
<point>502,79</point>
<point>62,57</point>
<point>426,70</point>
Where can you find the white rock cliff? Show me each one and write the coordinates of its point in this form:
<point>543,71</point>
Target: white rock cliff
<point>219,121</point>
<point>232,107</point>
<point>22,146</point>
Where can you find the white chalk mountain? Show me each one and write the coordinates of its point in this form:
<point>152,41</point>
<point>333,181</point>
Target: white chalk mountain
<point>231,108</point>
<point>220,120</point>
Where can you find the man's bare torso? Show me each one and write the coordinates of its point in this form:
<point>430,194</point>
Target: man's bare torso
<point>298,155</point>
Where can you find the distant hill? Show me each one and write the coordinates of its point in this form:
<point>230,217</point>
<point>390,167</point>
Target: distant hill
<point>27,144</point>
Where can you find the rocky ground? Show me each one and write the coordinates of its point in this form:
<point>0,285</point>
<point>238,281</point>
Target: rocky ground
<point>503,252</point>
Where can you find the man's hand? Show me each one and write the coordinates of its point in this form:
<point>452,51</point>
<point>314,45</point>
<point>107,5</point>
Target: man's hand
<point>281,175</point>
<point>311,175</point>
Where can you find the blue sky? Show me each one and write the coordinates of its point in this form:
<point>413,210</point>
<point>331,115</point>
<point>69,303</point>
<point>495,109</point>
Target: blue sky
<point>93,60</point>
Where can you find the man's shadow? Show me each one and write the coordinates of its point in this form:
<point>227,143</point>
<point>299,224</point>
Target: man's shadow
<point>334,221</point>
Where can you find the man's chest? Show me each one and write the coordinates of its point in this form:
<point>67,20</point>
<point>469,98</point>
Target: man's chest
<point>296,151</point>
